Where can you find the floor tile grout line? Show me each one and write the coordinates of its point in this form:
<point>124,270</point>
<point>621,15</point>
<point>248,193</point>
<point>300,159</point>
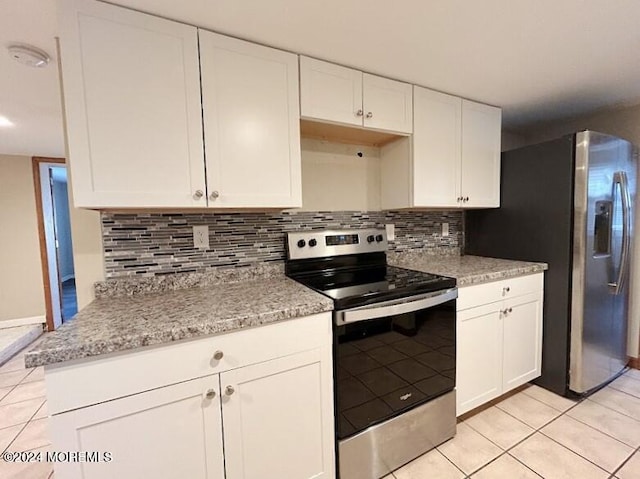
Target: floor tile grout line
<point>525,465</point>
<point>506,451</point>
<point>612,409</point>
<point>23,428</point>
<point>561,413</point>
<point>453,463</point>
<point>637,451</point>
<point>17,402</point>
<point>623,391</point>
<point>15,437</point>
<point>604,432</point>
<point>580,401</point>
<point>583,457</point>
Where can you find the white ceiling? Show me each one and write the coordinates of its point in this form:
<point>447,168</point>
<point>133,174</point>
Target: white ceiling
<point>30,97</point>
<point>539,60</point>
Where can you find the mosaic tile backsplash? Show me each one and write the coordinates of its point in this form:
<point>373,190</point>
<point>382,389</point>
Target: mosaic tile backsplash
<point>162,243</point>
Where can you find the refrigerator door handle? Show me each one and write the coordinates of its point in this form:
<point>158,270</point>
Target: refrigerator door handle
<point>620,178</point>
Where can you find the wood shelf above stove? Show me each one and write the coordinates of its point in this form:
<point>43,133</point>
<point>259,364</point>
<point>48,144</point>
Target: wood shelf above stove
<point>351,135</point>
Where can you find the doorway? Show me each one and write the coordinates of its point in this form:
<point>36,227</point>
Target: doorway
<point>56,245</point>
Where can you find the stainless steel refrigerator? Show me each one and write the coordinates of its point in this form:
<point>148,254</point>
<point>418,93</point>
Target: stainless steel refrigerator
<point>570,203</point>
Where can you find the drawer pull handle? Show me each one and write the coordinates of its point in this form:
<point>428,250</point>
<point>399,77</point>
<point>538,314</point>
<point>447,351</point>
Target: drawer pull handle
<point>211,394</point>
<point>229,390</point>
<point>218,355</point>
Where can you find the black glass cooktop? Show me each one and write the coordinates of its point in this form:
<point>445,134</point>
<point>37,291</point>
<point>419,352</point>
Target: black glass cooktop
<point>350,287</point>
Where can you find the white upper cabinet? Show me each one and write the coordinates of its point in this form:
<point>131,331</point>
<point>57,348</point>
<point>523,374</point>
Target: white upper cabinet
<point>436,148</point>
<point>388,104</point>
<point>343,95</point>
<point>132,104</point>
<point>481,129</point>
<point>251,123</point>
<point>456,153</point>
<point>330,92</point>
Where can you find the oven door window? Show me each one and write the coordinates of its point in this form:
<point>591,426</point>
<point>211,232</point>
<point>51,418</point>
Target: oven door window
<point>389,365</point>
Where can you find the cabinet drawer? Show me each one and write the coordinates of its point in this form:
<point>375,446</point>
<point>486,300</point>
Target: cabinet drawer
<point>121,374</point>
<point>475,295</point>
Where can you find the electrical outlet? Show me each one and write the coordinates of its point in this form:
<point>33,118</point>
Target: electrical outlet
<point>391,231</point>
<point>201,236</point>
<point>445,229</point>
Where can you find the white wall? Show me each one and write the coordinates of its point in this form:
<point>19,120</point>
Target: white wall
<point>21,284</point>
<point>63,225</point>
<point>88,257</point>
<point>354,180</point>
<point>625,123</point>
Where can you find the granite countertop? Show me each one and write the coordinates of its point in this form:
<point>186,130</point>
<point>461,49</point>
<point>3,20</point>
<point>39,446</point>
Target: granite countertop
<point>125,322</point>
<point>467,270</point>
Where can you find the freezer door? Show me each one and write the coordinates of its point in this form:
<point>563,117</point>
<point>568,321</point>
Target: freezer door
<point>624,201</point>
<point>604,181</point>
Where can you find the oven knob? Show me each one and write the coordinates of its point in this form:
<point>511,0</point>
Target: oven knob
<point>379,238</point>
<point>301,243</point>
<point>312,242</point>
<point>370,238</point>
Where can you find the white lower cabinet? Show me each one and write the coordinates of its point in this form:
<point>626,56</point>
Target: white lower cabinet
<point>265,420</point>
<point>171,432</point>
<point>274,420</point>
<point>499,340</point>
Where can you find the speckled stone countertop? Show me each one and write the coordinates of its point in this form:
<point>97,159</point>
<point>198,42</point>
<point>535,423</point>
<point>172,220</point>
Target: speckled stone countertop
<point>126,322</point>
<point>467,270</point>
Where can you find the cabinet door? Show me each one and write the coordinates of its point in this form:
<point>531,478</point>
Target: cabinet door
<point>481,130</point>
<point>165,433</point>
<point>330,92</point>
<point>388,104</point>
<point>522,340</point>
<point>436,148</point>
<point>251,123</point>
<point>132,105</point>
<point>479,356</point>
<point>278,422</point>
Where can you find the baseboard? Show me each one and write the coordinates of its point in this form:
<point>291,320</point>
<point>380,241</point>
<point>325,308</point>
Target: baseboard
<point>13,323</point>
<point>634,363</point>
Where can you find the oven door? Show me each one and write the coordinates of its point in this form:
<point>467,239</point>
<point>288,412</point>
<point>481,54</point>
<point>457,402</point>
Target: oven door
<point>392,357</point>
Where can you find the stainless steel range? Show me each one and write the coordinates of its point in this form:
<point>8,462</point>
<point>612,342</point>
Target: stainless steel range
<point>394,348</point>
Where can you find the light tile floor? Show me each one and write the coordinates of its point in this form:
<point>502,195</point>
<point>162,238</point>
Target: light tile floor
<point>536,433</point>
<point>529,435</point>
<point>23,418</point>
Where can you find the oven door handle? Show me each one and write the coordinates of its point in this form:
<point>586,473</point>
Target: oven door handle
<point>398,306</point>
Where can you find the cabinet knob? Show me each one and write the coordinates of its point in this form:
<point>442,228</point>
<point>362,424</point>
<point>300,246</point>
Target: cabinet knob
<point>218,355</point>
<point>198,194</point>
<point>369,114</point>
<point>466,198</point>
<point>510,310</point>
<point>229,390</point>
<point>505,290</point>
<point>459,199</point>
<point>214,195</point>
<point>359,113</point>
<point>211,394</point>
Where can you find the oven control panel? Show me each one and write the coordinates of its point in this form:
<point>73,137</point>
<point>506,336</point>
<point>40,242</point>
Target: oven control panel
<point>322,243</point>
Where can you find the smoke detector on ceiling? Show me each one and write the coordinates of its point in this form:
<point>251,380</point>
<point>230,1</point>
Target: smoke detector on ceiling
<point>28,55</point>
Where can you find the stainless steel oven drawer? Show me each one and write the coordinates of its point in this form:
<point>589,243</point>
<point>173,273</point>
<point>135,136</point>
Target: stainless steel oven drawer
<point>383,448</point>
